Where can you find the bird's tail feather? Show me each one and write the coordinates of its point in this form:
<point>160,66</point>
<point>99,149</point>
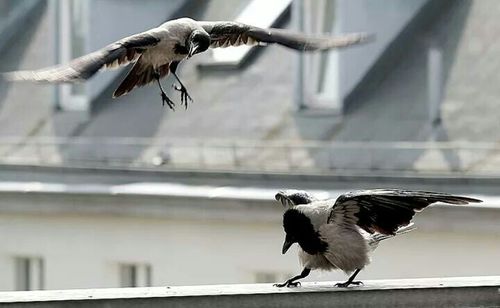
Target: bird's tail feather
<point>377,238</point>
<point>408,228</point>
<point>131,80</point>
<point>139,76</point>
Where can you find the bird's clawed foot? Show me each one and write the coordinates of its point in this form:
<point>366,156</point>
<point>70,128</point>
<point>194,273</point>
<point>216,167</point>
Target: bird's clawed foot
<point>166,100</point>
<point>288,284</point>
<point>185,97</point>
<point>348,283</point>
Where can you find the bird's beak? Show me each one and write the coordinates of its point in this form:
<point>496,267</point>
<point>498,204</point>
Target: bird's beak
<point>281,198</point>
<point>287,244</point>
<point>193,49</point>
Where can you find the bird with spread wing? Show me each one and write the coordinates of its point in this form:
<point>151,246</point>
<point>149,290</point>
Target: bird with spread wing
<point>157,53</point>
<point>340,234</point>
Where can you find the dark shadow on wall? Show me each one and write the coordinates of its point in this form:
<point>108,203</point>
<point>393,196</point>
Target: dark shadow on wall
<point>391,103</point>
<point>16,44</point>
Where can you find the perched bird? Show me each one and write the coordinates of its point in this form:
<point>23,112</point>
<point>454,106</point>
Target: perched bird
<point>158,52</point>
<point>340,234</point>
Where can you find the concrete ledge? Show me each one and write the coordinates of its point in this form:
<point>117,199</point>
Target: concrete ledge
<point>435,292</point>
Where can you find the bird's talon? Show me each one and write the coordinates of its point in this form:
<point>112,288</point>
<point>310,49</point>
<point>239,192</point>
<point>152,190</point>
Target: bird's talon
<point>166,100</point>
<point>184,93</point>
<point>288,284</point>
<point>185,97</point>
<point>347,284</point>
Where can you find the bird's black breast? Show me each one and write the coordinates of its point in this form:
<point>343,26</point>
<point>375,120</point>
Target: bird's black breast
<point>299,226</point>
<point>180,50</point>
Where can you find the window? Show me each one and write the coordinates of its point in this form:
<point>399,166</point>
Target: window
<point>78,15</point>
<point>135,275</point>
<point>260,13</point>
<point>29,273</point>
<point>73,18</point>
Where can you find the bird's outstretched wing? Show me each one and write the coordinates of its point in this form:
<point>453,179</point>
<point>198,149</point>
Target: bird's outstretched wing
<point>386,210</point>
<point>225,34</point>
<point>117,54</point>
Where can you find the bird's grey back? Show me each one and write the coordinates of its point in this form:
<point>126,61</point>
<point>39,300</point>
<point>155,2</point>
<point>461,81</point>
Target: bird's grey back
<point>317,211</point>
<point>181,27</point>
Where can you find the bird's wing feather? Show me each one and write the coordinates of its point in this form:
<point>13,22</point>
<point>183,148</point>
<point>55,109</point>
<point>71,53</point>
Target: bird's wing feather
<point>140,75</point>
<point>386,210</point>
<point>117,54</point>
<point>225,34</point>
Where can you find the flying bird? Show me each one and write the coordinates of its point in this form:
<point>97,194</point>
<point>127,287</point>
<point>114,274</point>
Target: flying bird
<point>340,234</point>
<point>157,52</point>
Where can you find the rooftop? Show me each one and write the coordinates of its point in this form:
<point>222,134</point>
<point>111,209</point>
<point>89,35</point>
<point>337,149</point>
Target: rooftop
<point>393,92</point>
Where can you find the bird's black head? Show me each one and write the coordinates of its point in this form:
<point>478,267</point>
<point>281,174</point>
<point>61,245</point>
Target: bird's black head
<point>299,229</point>
<point>197,42</point>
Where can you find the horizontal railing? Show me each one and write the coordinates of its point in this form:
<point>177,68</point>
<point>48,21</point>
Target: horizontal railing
<point>258,156</point>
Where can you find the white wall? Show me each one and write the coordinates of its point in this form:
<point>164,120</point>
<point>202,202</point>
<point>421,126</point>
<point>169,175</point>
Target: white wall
<point>83,250</point>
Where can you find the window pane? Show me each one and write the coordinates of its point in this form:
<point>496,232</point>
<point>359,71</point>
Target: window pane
<point>29,273</point>
<point>135,275</point>
<point>128,276</point>
<point>148,276</point>
<point>41,274</point>
<point>78,26</point>
<point>23,274</point>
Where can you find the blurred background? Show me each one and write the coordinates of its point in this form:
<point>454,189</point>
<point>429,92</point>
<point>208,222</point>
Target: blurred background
<point>96,192</point>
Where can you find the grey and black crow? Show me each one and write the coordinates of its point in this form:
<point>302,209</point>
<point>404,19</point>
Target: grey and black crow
<point>157,52</point>
<point>340,234</point>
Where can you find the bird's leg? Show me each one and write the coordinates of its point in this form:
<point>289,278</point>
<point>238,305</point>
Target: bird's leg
<point>350,281</point>
<point>291,282</point>
<point>164,97</point>
<point>184,93</point>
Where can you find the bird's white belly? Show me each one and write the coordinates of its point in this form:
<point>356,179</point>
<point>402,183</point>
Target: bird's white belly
<point>317,261</point>
<point>347,248</point>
